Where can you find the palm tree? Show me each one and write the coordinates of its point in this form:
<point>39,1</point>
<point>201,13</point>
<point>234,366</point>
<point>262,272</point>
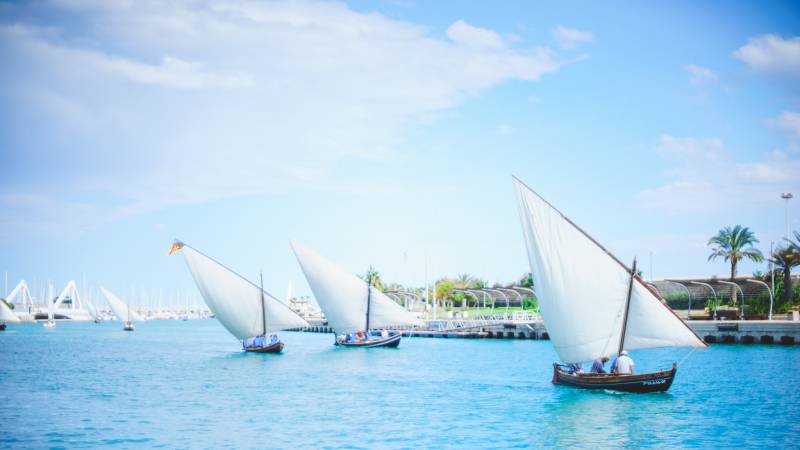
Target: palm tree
<point>735,244</point>
<point>373,278</point>
<point>785,258</point>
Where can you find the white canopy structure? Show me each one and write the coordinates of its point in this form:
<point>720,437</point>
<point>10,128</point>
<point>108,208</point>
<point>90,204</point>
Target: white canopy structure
<point>123,311</point>
<point>583,290</point>
<point>70,291</point>
<point>243,308</point>
<point>22,293</point>
<point>343,296</point>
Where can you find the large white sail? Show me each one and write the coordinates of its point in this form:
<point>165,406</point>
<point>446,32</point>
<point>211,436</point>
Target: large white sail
<point>582,290</point>
<point>235,301</point>
<point>121,310</point>
<point>6,314</point>
<point>342,296</point>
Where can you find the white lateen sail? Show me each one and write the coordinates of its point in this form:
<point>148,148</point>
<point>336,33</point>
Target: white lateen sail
<point>342,296</point>
<point>235,301</point>
<point>121,310</point>
<point>582,290</point>
<point>6,314</point>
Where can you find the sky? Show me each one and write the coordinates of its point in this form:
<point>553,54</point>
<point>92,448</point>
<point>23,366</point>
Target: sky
<point>386,134</point>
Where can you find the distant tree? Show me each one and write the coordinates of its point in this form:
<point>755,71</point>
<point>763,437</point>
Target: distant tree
<point>785,259</point>
<point>735,244</point>
<point>373,278</point>
<point>526,280</point>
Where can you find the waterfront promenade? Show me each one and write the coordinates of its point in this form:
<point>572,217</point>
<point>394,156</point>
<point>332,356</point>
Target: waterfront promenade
<point>529,326</point>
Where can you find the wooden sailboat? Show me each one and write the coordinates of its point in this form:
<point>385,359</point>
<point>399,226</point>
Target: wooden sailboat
<point>122,310</point>
<point>358,313</point>
<point>247,311</point>
<point>592,304</point>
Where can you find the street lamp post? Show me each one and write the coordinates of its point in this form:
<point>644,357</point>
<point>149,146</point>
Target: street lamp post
<point>787,196</point>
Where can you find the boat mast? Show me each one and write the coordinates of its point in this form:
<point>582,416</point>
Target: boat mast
<point>627,307</point>
<point>369,289</point>
<point>263,310</point>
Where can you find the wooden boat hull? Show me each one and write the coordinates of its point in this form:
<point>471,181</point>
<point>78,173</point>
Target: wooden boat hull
<point>639,383</point>
<point>272,348</point>
<point>392,341</point>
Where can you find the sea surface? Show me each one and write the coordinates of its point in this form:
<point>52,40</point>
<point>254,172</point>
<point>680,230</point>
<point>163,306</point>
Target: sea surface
<point>173,384</point>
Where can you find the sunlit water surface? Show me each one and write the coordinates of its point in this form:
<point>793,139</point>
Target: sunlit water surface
<point>187,385</point>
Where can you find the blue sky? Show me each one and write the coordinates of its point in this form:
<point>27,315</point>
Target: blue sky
<point>387,133</point>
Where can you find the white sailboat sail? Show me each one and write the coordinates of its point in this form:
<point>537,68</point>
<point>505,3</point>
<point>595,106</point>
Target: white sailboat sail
<point>235,301</point>
<point>92,310</point>
<point>121,310</point>
<point>51,307</point>
<point>582,290</point>
<point>6,314</point>
<point>342,296</point>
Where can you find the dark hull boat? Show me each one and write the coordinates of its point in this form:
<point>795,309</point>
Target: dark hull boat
<point>272,348</point>
<point>236,302</point>
<point>391,341</point>
<point>2,327</point>
<point>639,383</point>
<point>592,304</point>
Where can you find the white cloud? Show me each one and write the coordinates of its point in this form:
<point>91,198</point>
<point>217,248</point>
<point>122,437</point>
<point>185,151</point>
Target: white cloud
<point>706,178</point>
<point>772,53</point>
<point>505,129</point>
<point>789,121</point>
<point>689,148</point>
<point>700,75</point>
<point>470,36</point>
<point>570,37</point>
<point>162,104</point>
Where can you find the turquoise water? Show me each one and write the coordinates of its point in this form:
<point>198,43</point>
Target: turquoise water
<point>186,385</point>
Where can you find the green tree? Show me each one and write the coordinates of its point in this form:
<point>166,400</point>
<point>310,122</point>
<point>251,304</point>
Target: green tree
<point>373,278</point>
<point>785,259</point>
<point>735,244</point>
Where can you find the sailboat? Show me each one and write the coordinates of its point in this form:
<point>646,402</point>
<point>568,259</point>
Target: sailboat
<point>51,322</point>
<point>592,304</point>
<point>351,306</point>
<point>6,315</point>
<point>247,311</point>
<point>122,310</point>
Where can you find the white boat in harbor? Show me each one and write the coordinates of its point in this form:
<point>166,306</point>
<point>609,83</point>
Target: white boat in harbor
<point>592,304</point>
<point>51,307</point>
<point>351,307</point>
<point>122,310</point>
<point>246,310</point>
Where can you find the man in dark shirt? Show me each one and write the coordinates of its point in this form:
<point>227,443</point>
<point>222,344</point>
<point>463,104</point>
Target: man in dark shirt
<point>598,366</point>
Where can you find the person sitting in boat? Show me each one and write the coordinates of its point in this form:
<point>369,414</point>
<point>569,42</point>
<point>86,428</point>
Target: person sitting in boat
<point>623,365</point>
<point>385,333</point>
<point>273,339</point>
<point>575,368</point>
<point>598,366</point>
<point>362,336</point>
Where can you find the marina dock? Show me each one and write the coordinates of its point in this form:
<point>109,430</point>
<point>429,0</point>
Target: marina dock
<point>782,332</point>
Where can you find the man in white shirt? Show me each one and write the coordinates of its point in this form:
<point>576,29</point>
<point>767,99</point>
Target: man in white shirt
<point>623,365</point>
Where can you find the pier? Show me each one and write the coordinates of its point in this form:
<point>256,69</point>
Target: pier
<point>781,332</point>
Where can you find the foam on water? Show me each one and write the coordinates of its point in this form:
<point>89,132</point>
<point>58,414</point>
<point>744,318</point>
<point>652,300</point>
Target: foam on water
<point>181,384</point>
